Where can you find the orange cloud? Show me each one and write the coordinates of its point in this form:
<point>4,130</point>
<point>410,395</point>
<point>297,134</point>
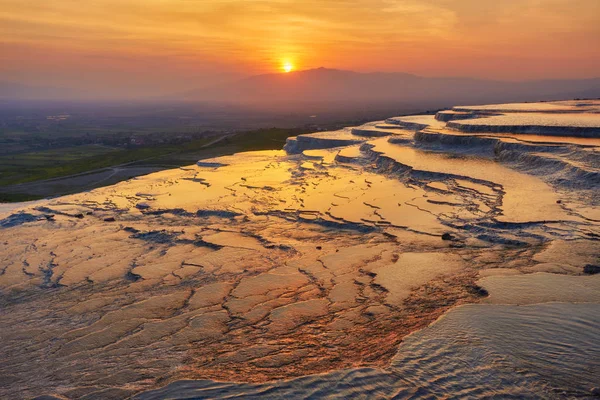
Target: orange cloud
<point>510,39</point>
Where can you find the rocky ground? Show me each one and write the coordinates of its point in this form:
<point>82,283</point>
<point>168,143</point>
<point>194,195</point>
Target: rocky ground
<point>274,265</point>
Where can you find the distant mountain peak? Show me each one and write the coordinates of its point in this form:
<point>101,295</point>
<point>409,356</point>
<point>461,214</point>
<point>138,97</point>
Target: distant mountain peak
<point>325,69</point>
<point>331,85</point>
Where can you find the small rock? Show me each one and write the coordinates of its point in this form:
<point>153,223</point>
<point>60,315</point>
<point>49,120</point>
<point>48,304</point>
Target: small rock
<point>319,247</point>
<point>142,206</point>
<point>558,201</point>
<point>89,213</point>
<point>130,276</point>
<point>109,219</point>
<point>49,217</point>
<point>591,269</point>
<point>80,216</point>
<point>477,290</point>
<point>447,236</point>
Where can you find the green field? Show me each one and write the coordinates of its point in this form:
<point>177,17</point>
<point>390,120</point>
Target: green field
<point>31,167</point>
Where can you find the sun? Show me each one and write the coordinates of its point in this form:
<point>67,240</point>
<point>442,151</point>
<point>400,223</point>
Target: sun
<point>287,67</point>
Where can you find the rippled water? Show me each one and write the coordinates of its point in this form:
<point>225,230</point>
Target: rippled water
<point>498,351</point>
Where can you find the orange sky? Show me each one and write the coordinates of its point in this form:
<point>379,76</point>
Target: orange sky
<point>157,46</point>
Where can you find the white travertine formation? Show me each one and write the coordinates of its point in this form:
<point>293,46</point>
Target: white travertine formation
<point>278,264</point>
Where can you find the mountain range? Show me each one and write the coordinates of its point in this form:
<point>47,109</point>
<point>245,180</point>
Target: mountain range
<point>332,86</point>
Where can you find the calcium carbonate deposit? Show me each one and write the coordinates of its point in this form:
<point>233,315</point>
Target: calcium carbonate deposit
<point>433,256</point>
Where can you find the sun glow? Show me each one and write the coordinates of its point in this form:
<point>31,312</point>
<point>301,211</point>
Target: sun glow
<point>287,67</point>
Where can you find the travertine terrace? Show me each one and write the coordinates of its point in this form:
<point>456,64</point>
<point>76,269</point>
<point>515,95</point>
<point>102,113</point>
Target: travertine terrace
<point>273,265</point>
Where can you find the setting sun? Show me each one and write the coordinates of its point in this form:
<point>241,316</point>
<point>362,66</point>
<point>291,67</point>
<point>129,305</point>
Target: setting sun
<point>287,67</point>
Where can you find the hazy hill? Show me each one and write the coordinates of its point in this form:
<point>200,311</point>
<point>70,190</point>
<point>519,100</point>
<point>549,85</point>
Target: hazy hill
<point>18,91</point>
<point>330,85</point>
<point>331,88</point>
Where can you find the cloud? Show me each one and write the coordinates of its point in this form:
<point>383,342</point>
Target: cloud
<point>437,37</point>
<point>422,16</point>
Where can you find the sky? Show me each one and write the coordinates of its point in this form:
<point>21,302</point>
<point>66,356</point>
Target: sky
<point>161,46</point>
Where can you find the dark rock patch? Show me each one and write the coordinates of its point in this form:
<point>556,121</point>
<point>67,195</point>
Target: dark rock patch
<point>142,206</point>
<point>217,213</point>
<point>591,269</point>
<point>477,290</point>
<point>447,236</point>
<point>18,219</point>
<point>161,236</point>
<point>130,276</point>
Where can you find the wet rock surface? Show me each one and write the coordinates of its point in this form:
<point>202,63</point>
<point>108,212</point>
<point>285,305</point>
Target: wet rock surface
<point>471,352</point>
<point>591,269</point>
<point>274,265</point>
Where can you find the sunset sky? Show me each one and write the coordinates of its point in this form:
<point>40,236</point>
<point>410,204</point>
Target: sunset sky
<point>158,46</point>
